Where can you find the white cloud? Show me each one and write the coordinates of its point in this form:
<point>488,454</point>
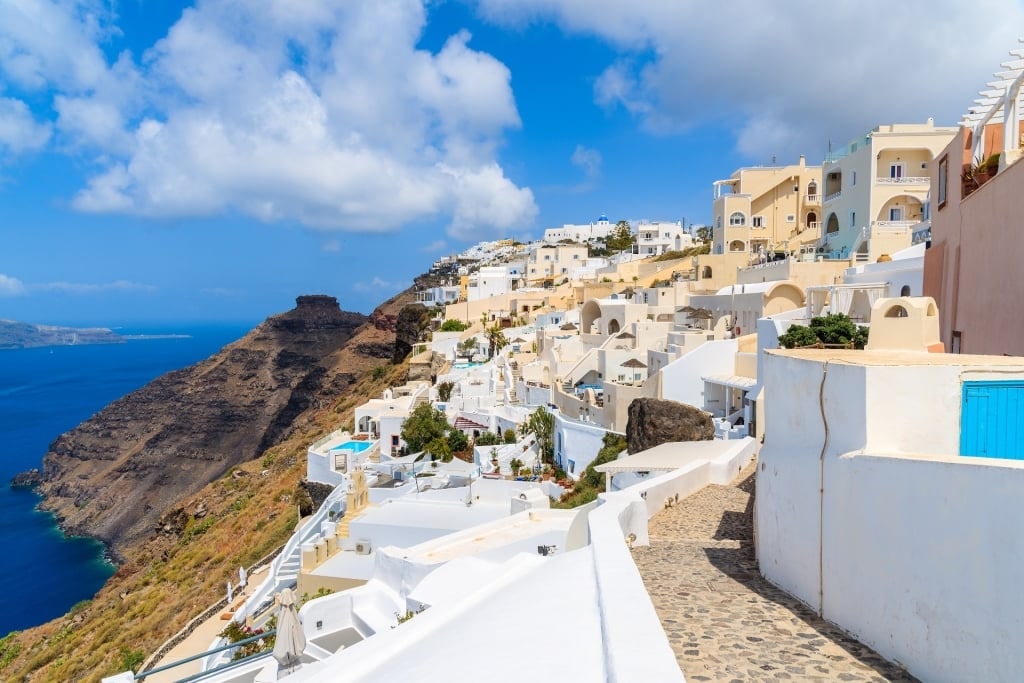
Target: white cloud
<point>786,76</point>
<point>19,131</point>
<point>92,288</point>
<point>283,111</point>
<point>587,159</point>
<point>379,285</point>
<point>10,286</point>
<point>434,247</point>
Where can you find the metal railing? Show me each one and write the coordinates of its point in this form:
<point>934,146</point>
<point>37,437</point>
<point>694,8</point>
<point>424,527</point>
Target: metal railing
<point>202,674</point>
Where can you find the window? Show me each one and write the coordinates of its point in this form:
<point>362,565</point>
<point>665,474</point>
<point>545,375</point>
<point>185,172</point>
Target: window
<point>718,222</point>
<point>853,219</point>
<point>737,218</point>
<point>895,171</point>
<point>757,221</point>
<point>943,180</point>
<point>957,341</point>
<point>790,218</point>
<point>853,178</point>
<point>895,213</point>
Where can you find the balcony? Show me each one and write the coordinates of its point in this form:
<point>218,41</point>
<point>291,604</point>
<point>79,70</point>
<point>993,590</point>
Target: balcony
<point>904,180</point>
<point>834,195</point>
<point>813,199</point>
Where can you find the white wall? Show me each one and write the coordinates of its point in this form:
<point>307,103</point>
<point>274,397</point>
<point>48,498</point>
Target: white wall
<point>921,561</point>
<point>891,535</point>
<point>681,379</point>
<point>786,506</point>
<point>898,273</point>
<point>576,441</point>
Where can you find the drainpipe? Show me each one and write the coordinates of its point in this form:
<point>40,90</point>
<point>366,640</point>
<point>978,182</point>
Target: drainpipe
<point>821,493</point>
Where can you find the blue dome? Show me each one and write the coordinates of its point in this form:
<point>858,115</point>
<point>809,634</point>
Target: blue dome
<point>602,218</point>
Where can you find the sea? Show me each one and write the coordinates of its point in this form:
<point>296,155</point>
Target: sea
<point>43,393</point>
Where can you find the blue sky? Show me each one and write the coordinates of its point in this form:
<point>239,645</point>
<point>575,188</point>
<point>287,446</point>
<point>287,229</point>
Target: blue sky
<point>170,161</point>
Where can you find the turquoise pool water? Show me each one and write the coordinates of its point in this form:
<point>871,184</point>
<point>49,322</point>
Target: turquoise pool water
<point>463,366</point>
<point>354,446</point>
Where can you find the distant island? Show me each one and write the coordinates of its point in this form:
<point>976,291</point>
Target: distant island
<point>18,335</point>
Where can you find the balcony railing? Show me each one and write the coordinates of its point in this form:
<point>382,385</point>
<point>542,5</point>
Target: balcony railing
<point>813,199</point>
<point>895,225</point>
<point>834,195</point>
<point>905,180</point>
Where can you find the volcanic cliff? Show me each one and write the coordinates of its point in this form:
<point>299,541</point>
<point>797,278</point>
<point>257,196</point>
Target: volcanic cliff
<point>114,475</point>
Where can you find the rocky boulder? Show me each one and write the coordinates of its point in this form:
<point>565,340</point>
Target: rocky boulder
<point>654,421</point>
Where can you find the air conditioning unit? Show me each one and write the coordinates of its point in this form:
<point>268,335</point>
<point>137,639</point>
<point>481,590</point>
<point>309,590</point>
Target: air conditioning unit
<point>362,547</point>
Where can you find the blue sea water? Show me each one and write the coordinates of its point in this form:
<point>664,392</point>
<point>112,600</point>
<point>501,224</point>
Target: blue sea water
<point>43,393</point>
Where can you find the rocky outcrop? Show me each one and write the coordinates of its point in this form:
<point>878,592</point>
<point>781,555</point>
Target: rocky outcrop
<point>654,421</point>
<point>115,476</point>
<point>409,328</point>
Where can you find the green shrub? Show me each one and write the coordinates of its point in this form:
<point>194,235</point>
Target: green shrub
<point>510,436</point>
<point>454,325</point>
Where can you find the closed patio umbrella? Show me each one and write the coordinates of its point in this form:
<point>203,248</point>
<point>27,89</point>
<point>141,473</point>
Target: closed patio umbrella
<point>290,641</point>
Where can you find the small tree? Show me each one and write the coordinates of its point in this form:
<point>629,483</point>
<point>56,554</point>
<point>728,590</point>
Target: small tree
<point>510,436</point>
<point>621,238</point>
<point>495,339</point>
<point>457,441</point>
<point>516,464</point>
<point>444,391</point>
<point>424,424</point>
<point>832,329</point>
<point>453,325</point>
<point>438,449</point>
<point>541,424</point>
<point>467,347</point>
<point>703,234</point>
<point>487,439</point>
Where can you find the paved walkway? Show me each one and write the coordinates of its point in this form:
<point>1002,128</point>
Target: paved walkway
<point>200,639</point>
<point>724,621</point>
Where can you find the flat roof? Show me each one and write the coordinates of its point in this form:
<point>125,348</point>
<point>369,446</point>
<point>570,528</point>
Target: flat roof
<point>512,529</point>
<point>347,564</point>
<point>408,512</point>
<point>673,455</point>
<point>893,357</point>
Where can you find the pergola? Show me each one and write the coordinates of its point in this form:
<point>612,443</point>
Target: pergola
<point>999,103</point>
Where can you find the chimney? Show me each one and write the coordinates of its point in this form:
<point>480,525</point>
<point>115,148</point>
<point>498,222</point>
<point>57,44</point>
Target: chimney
<point>803,160</point>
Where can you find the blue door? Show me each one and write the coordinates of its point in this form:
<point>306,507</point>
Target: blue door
<point>992,420</point>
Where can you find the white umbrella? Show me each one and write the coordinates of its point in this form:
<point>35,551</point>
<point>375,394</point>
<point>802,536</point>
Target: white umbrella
<point>290,641</point>
<point>229,592</point>
<point>241,577</point>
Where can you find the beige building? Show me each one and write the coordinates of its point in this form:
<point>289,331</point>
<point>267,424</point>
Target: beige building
<point>766,209</point>
<point>554,262</point>
<point>876,188</point>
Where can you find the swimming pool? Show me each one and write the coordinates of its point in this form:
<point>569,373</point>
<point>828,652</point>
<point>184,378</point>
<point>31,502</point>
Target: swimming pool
<point>463,366</point>
<point>354,446</point>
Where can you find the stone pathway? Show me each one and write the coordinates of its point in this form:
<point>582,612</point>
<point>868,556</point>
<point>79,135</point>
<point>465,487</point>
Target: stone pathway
<point>723,620</point>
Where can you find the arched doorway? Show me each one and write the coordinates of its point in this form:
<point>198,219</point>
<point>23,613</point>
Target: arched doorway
<point>706,273</point>
<point>737,245</point>
<point>833,223</point>
<point>613,326</point>
<point>812,219</point>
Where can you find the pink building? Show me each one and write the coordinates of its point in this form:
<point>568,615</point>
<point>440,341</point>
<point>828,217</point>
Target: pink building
<point>977,246</point>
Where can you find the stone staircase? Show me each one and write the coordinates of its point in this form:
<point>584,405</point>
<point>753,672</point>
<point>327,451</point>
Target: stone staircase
<point>517,374</point>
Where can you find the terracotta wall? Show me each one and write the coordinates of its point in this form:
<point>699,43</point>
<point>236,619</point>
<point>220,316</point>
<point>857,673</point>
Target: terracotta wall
<point>973,268</point>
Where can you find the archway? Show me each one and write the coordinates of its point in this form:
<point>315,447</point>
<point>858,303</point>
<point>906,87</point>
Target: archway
<point>737,245</point>
<point>833,223</point>
<point>613,326</point>
<point>905,290</point>
<point>590,313</point>
<point>812,219</point>
<point>706,273</point>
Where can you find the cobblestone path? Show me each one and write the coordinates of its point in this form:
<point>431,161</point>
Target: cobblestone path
<point>724,621</point>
